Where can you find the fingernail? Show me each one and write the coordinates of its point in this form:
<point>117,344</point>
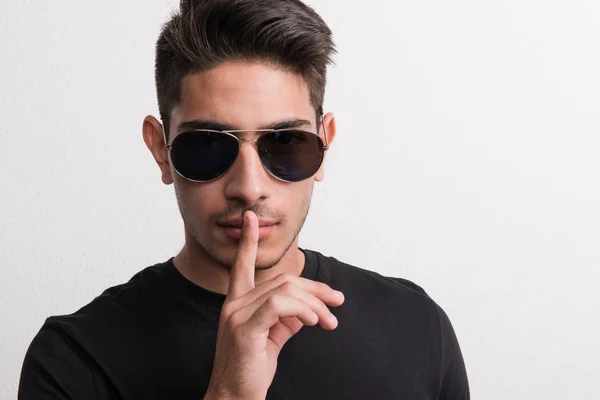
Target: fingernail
<point>338,294</point>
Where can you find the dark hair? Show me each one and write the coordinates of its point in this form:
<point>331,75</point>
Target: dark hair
<point>204,33</point>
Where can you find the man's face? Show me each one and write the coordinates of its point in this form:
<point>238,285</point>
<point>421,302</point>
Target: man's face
<point>243,96</point>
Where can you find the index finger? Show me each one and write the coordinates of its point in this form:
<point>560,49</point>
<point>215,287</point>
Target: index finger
<point>241,279</point>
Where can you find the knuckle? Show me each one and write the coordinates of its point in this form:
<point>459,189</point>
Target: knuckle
<point>287,288</point>
<point>282,278</point>
<point>227,310</point>
<point>234,321</point>
<point>273,303</point>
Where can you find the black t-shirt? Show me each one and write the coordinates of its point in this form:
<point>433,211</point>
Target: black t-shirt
<point>154,338</point>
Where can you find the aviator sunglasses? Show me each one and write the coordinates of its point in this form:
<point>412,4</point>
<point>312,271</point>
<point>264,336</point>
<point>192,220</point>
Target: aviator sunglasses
<point>289,154</point>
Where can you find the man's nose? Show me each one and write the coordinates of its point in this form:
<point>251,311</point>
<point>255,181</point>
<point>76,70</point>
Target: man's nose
<point>247,179</point>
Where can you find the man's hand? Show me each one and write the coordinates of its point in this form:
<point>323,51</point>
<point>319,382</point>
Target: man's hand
<point>256,322</point>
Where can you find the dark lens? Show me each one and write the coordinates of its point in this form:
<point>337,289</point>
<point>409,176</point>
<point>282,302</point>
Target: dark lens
<point>203,155</point>
<point>292,155</point>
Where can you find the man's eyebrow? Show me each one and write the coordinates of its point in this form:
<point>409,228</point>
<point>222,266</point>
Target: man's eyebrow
<point>198,124</point>
<point>292,123</point>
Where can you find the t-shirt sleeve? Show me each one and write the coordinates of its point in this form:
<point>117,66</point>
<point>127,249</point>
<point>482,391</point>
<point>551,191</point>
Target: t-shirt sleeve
<point>454,385</point>
<point>56,368</point>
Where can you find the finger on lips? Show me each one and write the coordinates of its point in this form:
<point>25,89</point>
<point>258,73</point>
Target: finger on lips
<point>282,295</point>
<point>241,280</point>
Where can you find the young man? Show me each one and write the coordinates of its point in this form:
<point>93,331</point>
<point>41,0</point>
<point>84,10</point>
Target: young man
<point>240,91</point>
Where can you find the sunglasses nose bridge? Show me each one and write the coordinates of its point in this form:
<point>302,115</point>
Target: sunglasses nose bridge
<point>242,140</point>
<point>247,140</point>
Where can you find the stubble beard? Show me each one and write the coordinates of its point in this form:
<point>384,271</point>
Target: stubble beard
<point>193,229</point>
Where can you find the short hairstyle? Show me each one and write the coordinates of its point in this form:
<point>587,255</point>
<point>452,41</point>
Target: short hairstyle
<point>204,33</point>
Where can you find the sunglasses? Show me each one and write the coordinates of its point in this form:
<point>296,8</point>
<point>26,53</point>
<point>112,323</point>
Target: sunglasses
<point>289,154</point>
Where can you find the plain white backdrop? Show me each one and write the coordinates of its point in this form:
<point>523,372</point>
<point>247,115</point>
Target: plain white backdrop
<point>466,160</point>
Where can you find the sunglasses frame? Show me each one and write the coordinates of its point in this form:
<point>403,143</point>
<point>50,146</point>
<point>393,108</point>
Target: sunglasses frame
<point>325,146</point>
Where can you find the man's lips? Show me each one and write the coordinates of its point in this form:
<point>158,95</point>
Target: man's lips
<point>236,233</point>
<point>233,228</point>
<point>237,223</point>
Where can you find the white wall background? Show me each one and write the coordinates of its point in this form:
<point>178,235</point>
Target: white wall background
<point>466,160</point>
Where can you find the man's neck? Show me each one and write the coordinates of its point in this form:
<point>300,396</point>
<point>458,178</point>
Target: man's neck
<point>198,267</point>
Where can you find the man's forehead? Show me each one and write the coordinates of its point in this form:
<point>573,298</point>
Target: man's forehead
<point>243,96</point>
<point>243,78</point>
<point>249,83</point>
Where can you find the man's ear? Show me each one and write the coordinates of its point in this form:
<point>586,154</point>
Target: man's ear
<point>327,127</point>
<point>152,131</point>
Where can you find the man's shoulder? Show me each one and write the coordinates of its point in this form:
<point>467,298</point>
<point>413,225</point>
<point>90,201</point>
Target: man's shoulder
<point>371,293</point>
<point>67,346</point>
<point>120,300</point>
<point>336,271</point>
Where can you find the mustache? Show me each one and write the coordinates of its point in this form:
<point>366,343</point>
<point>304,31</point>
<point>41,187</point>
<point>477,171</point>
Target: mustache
<point>237,211</point>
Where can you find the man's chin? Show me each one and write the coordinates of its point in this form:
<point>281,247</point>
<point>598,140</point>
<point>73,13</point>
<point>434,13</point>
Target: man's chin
<point>223,246</point>
<point>267,255</point>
